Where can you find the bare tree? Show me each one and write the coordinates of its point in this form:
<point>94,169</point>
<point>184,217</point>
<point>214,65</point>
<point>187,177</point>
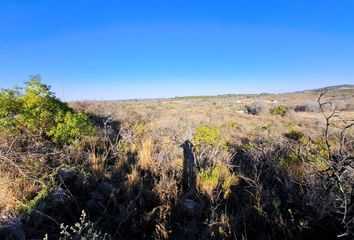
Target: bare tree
<point>340,164</point>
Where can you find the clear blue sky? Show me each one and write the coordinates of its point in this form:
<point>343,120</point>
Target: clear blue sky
<point>162,48</point>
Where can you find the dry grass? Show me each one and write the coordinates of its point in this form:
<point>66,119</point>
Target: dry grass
<point>145,154</point>
<point>7,194</point>
<point>177,118</point>
<point>97,162</point>
<point>133,179</point>
<point>145,164</point>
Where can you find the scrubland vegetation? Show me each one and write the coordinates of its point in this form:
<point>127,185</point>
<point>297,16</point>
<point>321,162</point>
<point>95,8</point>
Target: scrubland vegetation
<point>227,167</point>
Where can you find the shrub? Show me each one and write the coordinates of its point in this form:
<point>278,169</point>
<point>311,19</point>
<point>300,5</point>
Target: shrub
<point>208,180</point>
<point>10,106</point>
<point>70,126</point>
<point>339,104</point>
<point>229,181</point>
<point>36,110</point>
<point>317,152</point>
<point>212,180</point>
<point>207,136</point>
<point>279,110</point>
<point>257,108</point>
<point>39,107</point>
<point>307,107</point>
<point>82,230</point>
<point>291,158</point>
<point>294,134</point>
<point>313,152</point>
<point>350,107</point>
<point>209,147</point>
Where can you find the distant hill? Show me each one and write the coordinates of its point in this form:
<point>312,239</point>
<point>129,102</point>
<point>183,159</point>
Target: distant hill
<point>315,90</point>
<point>330,88</point>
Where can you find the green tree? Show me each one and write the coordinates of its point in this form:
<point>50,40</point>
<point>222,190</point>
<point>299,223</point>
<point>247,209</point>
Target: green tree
<point>37,110</point>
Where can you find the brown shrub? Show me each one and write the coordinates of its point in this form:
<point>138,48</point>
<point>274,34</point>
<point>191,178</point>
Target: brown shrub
<point>257,108</point>
<point>307,107</point>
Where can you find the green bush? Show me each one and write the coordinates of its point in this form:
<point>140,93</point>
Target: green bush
<point>9,107</point>
<point>290,159</point>
<point>215,180</point>
<point>37,111</point>
<point>312,151</point>
<point>208,136</point>
<point>279,110</point>
<point>317,152</point>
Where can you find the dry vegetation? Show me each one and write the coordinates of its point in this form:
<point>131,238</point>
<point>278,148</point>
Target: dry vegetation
<point>226,167</point>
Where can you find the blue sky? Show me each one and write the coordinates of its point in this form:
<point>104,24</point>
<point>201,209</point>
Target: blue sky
<point>159,48</point>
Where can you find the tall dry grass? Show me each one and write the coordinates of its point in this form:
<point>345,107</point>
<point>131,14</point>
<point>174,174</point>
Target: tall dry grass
<point>145,161</point>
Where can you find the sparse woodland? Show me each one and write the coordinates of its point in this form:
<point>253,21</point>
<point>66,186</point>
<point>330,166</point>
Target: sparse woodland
<point>224,167</point>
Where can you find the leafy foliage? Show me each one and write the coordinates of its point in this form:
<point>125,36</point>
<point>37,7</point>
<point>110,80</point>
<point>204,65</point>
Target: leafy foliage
<point>207,136</point>
<point>9,107</point>
<point>317,151</point>
<point>37,111</point>
<point>312,151</point>
<point>290,159</point>
<point>279,110</point>
<point>70,126</point>
<point>212,181</point>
